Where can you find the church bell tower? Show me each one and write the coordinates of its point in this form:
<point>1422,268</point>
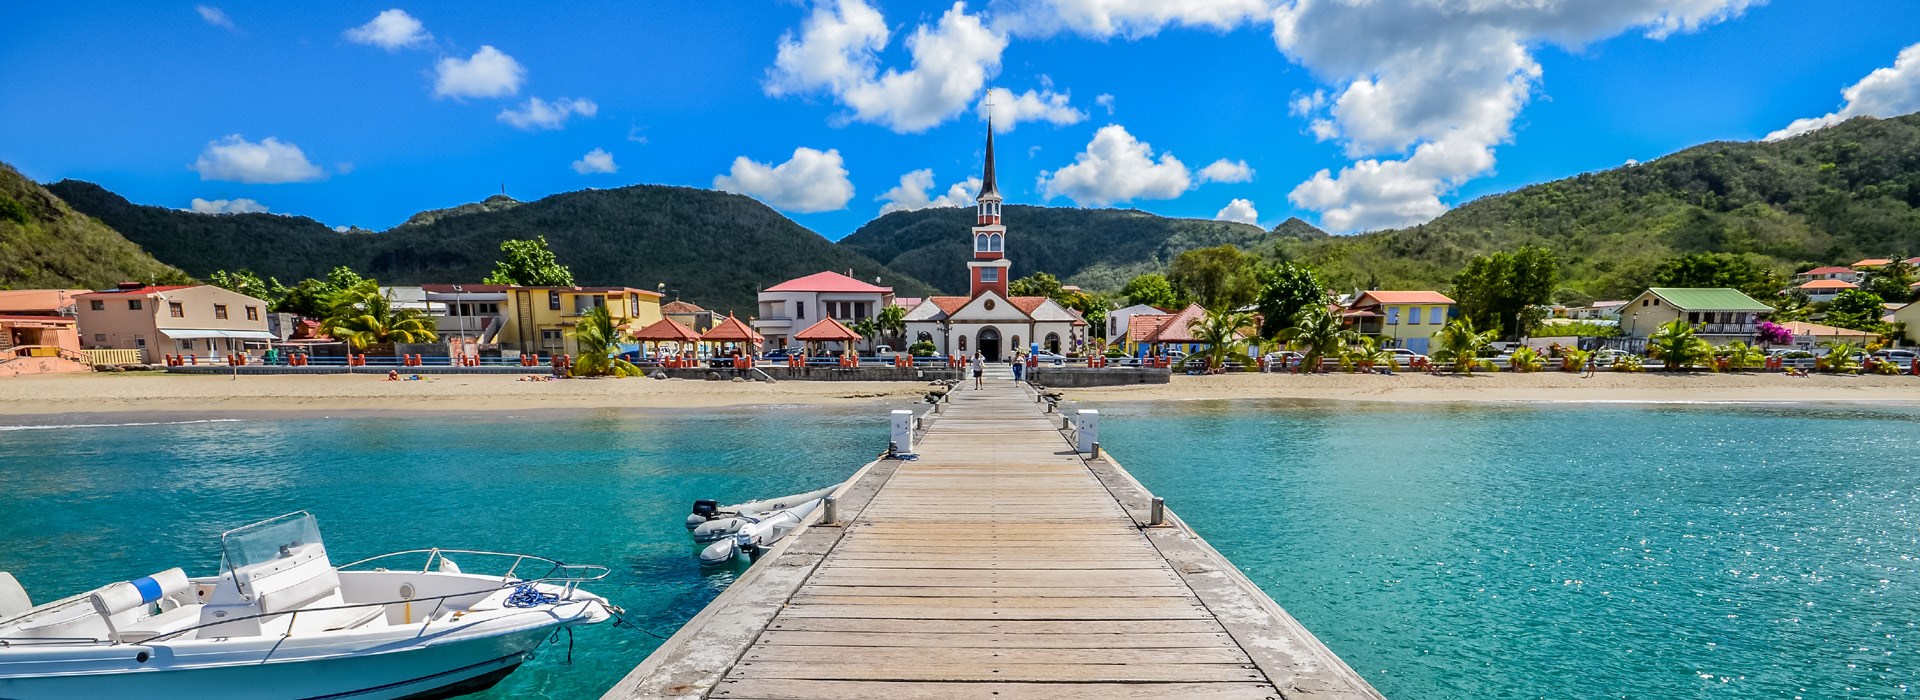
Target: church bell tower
<point>988,271</point>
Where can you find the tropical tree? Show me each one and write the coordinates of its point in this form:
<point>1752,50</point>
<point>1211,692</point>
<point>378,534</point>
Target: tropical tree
<point>1893,281</point>
<point>1221,277</point>
<point>1740,355</point>
<point>250,284</point>
<point>529,262</point>
<point>892,321</point>
<point>1574,359</point>
<point>1460,344</point>
<point>1496,290</point>
<point>1857,309</point>
<point>362,316</point>
<point>1285,289</point>
<point>1839,357</point>
<point>1753,274</point>
<point>1525,359</point>
<point>1220,330</point>
<point>1154,290</point>
<point>1318,334</point>
<point>868,328</point>
<point>313,298</point>
<point>598,340</point>
<point>1676,346</point>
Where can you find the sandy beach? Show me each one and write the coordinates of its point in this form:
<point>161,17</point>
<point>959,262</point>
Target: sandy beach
<point>124,393</point>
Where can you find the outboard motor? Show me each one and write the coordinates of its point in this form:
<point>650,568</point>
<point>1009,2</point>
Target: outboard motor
<point>703,510</point>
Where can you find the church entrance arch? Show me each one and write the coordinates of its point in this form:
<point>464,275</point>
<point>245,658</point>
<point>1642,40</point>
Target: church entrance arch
<point>990,343</point>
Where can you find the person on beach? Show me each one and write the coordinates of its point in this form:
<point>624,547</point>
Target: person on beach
<point>1593,366</point>
<point>979,368</point>
<point>393,375</point>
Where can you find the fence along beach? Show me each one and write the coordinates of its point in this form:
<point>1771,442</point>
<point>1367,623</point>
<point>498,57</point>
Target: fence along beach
<point>999,562</point>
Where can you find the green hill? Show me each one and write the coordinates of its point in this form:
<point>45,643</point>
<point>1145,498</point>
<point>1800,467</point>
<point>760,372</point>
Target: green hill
<point>1094,248</point>
<point>1829,197</point>
<point>716,249</point>
<point>46,244</point>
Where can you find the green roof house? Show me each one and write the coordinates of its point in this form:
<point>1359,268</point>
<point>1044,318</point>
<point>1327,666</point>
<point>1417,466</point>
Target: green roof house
<point>1717,314</point>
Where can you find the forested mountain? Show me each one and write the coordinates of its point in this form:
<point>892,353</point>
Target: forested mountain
<point>716,249</point>
<point>46,244</point>
<point>1097,249</point>
<point>1833,196</point>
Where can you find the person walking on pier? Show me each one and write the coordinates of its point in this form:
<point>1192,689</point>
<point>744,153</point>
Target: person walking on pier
<point>979,368</point>
<point>1019,366</point>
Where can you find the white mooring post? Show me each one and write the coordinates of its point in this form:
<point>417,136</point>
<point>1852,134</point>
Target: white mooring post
<point>1089,428</point>
<point>903,430</point>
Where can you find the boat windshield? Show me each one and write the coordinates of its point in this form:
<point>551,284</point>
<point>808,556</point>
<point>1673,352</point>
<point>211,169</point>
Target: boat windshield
<point>268,540</point>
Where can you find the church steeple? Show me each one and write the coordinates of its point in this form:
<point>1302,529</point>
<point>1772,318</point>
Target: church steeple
<point>988,270</point>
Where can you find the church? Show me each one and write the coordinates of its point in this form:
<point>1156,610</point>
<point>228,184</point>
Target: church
<point>987,320</point>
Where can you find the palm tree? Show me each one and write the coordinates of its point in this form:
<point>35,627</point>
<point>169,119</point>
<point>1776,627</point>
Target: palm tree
<point>1741,355</point>
<point>892,322</point>
<point>362,316</point>
<point>866,327</point>
<point>1220,332</point>
<point>1460,344</point>
<point>1676,346</point>
<point>1317,331</point>
<point>1839,357</point>
<point>1525,359</point>
<point>599,343</point>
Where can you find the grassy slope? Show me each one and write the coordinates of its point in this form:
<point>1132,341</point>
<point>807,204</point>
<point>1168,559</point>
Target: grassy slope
<point>45,244</point>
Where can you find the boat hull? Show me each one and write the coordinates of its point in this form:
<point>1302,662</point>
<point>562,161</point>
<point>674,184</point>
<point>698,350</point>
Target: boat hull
<point>412,671</point>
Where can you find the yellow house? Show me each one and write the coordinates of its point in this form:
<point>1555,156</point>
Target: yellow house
<point>1910,315</point>
<point>1400,319</point>
<point>541,319</point>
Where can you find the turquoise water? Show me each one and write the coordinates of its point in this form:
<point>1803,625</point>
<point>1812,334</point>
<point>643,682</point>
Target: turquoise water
<point>1565,552</point>
<point>1445,552</point>
<point>81,507</point>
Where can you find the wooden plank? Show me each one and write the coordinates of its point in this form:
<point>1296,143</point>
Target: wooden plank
<point>1090,611</point>
<point>952,640</point>
<point>1002,602</point>
<point>1091,627</point>
<point>992,592</point>
<point>1000,672</point>
<point>757,689</point>
<point>991,656</point>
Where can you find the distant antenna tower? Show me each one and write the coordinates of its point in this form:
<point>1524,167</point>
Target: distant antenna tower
<point>503,189</point>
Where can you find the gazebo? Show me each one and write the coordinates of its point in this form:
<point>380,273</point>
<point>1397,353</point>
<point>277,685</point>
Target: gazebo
<point>827,330</point>
<point>667,330</point>
<point>733,332</point>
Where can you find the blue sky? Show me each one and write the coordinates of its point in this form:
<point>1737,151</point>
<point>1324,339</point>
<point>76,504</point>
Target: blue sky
<point>1407,112</point>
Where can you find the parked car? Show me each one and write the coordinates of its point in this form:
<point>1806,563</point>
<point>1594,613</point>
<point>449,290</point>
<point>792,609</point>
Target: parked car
<point>1900,358</point>
<point>781,354</point>
<point>1047,358</point>
<point>1406,358</point>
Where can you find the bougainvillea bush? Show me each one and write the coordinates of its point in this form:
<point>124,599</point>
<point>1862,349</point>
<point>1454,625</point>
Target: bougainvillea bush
<point>1774,334</point>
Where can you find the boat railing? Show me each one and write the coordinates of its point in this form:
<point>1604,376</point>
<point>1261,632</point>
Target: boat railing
<point>569,576</point>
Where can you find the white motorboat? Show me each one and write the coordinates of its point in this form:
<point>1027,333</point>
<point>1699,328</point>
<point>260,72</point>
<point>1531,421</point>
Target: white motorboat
<point>711,521</point>
<point>757,533</point>
<point>281,621</point>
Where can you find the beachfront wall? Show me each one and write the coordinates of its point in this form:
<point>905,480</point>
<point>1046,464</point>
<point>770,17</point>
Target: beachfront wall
<point>542,319</point>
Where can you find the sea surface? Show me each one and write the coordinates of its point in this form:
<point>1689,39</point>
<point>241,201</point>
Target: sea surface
<point>1522,551</point>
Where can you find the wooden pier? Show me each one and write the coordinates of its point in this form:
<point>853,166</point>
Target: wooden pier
<point>1004,564</point>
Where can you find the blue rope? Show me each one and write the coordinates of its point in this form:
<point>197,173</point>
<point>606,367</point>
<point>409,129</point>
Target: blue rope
<point>526,596</point>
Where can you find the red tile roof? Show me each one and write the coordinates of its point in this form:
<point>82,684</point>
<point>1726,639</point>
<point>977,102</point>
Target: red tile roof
<point>666,329</point>
<point>1829,284</point>
<point>141,291</point>
<point>1179,327</point>
<point>907,302</point>
<point>827,282</point>
<point>1141,327</point>
<point>732,330</point>
<point>1872,262</point>
<point>950,305</point>
<point>1027,305</point>
<point>827,330</point>
<point>680,307</point>
<point>1424,297</point>
<point>1828,270</point>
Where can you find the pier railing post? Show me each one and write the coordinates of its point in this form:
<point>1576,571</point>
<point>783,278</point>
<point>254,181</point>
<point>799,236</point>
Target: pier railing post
<point>1157,516</point>
<point>830,511</point>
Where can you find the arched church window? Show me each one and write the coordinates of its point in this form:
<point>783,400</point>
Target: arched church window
<point>980,243</point>
<point>994,242</point>
<point>1053,343</point>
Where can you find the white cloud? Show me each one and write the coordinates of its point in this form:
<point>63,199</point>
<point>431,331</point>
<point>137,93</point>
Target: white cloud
<point>391,30</point>
<point>1116,167</point>
<point>1126,18</point>
<point>1240,210</point>
<point>911,193</point>
<point>1046,106</point>
<point>1425,89</point>
<point>538,114</point>
<point>1886,92</point>
<point>1224,170</point>
<point>489,73</point>
<point>810,181</point>
<point>271,161</point>
<point>1105,100</point>
<point>634,135</point>
<point>837,51</point>
<point>342,228</point>
<point>214,16</point>
<point>226,206</point>
<point>595,161</point>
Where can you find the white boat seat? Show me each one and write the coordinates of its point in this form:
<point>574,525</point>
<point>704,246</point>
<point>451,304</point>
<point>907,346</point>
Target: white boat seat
<point>172,620</point>
<point>13,597</point>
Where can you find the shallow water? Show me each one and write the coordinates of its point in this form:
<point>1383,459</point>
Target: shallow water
<point>1445,552</point>
<point>1565,552</point>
